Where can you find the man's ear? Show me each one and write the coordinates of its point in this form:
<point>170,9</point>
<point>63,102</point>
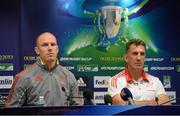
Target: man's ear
<point>36,49</point>
<point>125,57</point>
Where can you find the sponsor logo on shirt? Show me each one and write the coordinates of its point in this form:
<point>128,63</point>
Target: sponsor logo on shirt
<point>38,78</point>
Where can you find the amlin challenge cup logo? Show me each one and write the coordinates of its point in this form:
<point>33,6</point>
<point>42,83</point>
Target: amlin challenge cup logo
<point>6,82</point>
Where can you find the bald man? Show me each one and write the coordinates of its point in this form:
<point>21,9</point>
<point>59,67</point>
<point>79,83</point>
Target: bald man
<point>46,79</point>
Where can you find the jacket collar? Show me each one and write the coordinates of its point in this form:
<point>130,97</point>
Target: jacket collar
<point>44,65</point>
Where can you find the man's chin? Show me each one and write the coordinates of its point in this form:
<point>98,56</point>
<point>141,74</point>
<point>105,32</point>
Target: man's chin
<point>51,60</point>
<point>138,67</point>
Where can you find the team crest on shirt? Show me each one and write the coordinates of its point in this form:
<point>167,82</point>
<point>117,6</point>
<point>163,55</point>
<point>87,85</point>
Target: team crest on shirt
<point>38,78</point>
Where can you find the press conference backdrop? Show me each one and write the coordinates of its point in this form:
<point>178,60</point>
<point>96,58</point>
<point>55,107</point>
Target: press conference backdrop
<point>88,46</point>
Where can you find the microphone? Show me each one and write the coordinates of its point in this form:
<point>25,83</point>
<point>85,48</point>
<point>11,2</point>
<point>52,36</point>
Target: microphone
<point>69,98</point>
<point>64,90</point>
<point>126,95</point>
<point>156,99</point>
<point>107,99</point>
<point>88,98</point>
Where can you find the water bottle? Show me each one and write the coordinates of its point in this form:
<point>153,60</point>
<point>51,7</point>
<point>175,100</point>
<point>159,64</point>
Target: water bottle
<point>41,101</point>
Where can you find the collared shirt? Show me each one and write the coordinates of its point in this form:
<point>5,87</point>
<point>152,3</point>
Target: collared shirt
<point>147,88</point>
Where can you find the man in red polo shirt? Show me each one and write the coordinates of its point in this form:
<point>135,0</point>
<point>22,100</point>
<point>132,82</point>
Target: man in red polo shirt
<point>145,88</point>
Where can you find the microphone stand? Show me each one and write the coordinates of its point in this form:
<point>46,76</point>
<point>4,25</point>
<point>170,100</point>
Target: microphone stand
<point>69,98</point>
<point>167,101</point>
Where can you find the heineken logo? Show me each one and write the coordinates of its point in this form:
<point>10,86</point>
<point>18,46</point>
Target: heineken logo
<point>6,67</point>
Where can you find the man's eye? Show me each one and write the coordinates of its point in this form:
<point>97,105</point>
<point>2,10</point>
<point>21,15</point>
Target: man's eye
<point>142,54</point>
<point>53,44</point>
<point>44,44</point>
<point>135,53</point>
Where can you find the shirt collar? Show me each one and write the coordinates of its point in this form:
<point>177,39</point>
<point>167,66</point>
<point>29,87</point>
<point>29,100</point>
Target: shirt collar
<point>43,64</point>
<point>129,78</point>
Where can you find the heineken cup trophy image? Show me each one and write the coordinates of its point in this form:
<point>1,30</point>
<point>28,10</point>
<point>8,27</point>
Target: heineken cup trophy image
<point>109,25</point>
<point>102,24</point>
<point>112,20</point>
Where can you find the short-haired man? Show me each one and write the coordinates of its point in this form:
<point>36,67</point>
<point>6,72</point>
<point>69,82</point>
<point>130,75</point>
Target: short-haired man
<point>45,78</point>
<point>145,88</point>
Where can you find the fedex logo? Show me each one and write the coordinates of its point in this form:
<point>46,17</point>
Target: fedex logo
<point>101,81</point>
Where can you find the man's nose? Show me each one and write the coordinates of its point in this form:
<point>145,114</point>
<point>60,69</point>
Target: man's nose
<point>49,47</point>
<point>139,56</point>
